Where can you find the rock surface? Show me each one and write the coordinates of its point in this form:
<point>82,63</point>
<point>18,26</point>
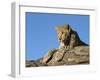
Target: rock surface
<point>63,56</point>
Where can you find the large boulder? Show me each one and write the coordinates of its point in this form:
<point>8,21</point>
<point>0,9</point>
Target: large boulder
<point>78,55</point>
<point>63,56</point>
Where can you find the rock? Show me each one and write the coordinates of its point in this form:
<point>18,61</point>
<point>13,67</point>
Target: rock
<point>78,55</point>
<point>71,59</point>
<point>63,56</point>
<point>82,50</point>
<point>33,63</point>
<point>48,56</point>
<point>30,63</point>
<point>59,54</point>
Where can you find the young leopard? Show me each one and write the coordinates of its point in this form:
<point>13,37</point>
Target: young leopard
<point>68,37</point>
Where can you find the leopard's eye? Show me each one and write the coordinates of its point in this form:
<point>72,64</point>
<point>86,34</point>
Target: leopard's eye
<point>62,32</point>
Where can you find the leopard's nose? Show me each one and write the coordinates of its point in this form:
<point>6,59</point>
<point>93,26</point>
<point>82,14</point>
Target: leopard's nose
<point>60,39</point>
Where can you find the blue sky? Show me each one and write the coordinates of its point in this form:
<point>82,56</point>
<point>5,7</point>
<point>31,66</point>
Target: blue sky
<point>41,34</point>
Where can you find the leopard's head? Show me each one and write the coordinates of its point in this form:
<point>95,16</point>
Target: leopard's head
<point>63,32</point>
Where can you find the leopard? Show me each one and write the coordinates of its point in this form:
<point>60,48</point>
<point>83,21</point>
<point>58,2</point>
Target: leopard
<point>68,37</point>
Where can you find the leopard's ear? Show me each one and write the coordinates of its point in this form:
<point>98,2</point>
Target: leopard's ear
<point>67,26</point>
